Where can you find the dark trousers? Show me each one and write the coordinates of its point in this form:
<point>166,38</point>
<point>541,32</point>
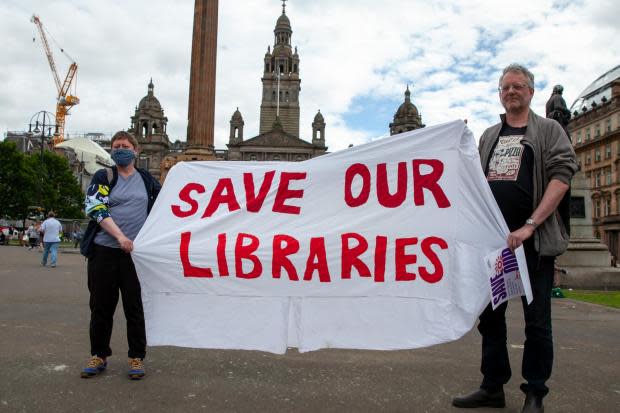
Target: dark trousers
<point>111,270</point>
<point>538,349</point>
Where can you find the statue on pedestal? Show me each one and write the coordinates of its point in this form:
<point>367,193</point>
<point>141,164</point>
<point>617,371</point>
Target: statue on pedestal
<point>556,108</point>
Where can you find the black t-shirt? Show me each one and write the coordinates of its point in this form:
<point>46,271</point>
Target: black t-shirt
<point>510,172</point>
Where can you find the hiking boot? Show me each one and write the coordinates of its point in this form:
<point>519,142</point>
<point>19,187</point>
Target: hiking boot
<point>481,398</point>
<point>136,369</point>
<point>95,366</point>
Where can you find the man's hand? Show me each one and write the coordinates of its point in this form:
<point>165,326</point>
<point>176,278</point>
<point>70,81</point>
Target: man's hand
<point>516,238</point>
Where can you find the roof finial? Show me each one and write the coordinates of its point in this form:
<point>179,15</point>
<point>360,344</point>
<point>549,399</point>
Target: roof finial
<point>284,6</point>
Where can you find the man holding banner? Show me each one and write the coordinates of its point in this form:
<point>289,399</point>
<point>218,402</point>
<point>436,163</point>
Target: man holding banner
<point>528,162</point>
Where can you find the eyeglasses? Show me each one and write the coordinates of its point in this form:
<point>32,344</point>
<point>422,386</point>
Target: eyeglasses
<point>518,87</point>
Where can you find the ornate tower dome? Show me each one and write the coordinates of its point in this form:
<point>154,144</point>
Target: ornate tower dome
<point>318,129</point>
<point>407,117</point>
<point>148,125</point>
<point>236,128</point>
<point>150,102</point>
<point>281,83</point>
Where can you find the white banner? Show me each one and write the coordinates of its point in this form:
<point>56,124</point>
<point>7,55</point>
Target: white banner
<point>380,246</point>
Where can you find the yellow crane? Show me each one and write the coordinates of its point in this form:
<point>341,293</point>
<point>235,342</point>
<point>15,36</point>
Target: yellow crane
<point>65,100</point>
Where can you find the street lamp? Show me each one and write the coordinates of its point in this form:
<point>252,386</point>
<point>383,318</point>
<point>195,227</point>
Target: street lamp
<point>42,120</point>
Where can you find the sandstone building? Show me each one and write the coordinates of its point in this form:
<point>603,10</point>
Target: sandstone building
<point>595,134</point>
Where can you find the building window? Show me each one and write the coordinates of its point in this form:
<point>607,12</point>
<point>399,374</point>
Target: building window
<point>607,207</point>
<point>597,208</point>
<point>598,130</point>
<point>597,179</point>
<point>587,134</point>
<point>608,127</point>
<point>608,175</point>
<point>588,158</point>
<point>608,151</point>
<point>617,202</point>
<point>597,154</point>
<point>579,137</point>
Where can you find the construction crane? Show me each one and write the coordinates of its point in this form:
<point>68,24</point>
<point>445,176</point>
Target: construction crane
<point>65,100</point>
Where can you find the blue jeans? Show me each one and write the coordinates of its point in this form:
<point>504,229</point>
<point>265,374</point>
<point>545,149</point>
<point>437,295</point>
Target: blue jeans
<point>49,248</point>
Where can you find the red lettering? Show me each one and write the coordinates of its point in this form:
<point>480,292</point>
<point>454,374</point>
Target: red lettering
<point>350,256</point>
<point>383,190</point>
<point>432,256</point>
<point>428,181</point>
<point>185,196</point>
<point>188,269</point>
<point>222,265</point>
<point>285,193</point>
<point>380,254</point>
<point>224,193</point>
<point>403,259</point>
<point>247,252</point>
<point>283,246</point>
<point>255,202</point>
<point>317,261</point>
<point>362,197</point>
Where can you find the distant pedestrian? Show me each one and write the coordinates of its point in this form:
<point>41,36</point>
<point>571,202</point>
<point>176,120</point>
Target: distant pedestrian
<point>33,236</point>
<point>23,238</point>
<point>77,237</point>
<point>51,230</point>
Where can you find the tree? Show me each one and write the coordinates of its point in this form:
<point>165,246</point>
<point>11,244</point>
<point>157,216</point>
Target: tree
<point>17,182</point>
<point>57,189</point>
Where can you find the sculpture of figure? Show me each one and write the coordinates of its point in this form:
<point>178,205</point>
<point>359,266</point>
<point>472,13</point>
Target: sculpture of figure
<point>556,108</point>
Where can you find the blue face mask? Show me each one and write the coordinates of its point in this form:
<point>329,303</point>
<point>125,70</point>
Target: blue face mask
<point>123,157</point>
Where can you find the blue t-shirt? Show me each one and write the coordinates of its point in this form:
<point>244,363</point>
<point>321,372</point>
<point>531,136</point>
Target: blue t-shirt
<point>128,203</point>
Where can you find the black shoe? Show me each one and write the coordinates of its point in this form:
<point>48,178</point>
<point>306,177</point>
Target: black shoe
<point>481,398</point>
<point>533,404</point>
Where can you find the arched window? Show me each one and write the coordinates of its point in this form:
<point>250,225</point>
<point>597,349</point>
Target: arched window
<point>145,129</point>
<point>281,68</point>
<point>295,68</point>
<point>155,128</point>
<point>236,132</point>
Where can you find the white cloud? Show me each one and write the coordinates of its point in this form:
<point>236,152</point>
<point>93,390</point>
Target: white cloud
<point>350,51</point>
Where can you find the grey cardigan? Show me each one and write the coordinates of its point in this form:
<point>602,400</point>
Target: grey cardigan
<point>554,158</point>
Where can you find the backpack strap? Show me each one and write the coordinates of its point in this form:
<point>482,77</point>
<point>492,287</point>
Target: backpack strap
<point>112,175</point>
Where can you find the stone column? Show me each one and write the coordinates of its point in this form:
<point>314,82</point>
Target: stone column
<point>201,110</point>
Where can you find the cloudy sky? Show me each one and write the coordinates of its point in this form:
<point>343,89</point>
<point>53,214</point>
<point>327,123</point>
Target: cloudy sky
<point>357,56</point>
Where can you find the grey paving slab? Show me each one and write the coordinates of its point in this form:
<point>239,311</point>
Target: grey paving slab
<point>44,343</point>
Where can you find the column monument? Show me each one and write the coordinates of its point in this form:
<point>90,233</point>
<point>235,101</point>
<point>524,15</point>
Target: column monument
<point>201,106</point>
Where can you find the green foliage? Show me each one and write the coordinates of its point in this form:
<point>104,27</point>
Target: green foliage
<point>17,182</point>
<point>57,189</point>
<point>25,181</point>
<point>608,298</point>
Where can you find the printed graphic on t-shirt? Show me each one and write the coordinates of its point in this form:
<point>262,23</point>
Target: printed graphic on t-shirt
<point>506,159</point>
